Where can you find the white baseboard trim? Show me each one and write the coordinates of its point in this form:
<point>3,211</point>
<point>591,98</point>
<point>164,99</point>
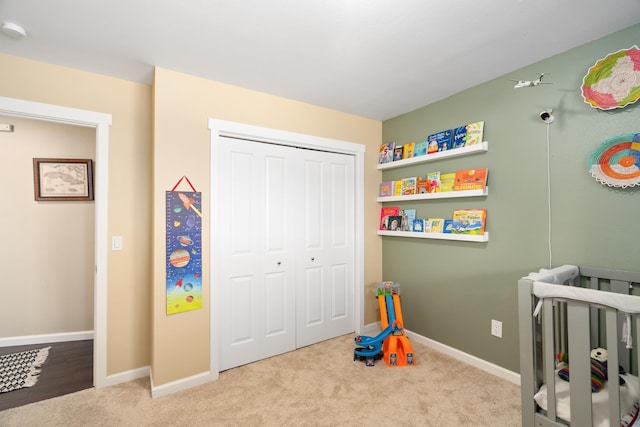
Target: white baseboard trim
<point>46,338</point>
<point>126,376</point>
<point>491,368</point>
<point>181,384</point>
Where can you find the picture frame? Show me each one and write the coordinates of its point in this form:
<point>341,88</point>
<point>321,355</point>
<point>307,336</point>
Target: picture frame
<point>62,179</point>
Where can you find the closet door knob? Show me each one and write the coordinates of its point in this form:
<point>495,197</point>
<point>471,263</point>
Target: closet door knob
<point>313,258</point>
<point>279,262</point>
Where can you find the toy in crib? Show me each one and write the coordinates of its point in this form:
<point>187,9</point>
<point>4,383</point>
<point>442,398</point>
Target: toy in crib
<point>598,368</point>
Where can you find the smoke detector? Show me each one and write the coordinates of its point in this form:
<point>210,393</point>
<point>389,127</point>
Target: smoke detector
<point>14,31</point>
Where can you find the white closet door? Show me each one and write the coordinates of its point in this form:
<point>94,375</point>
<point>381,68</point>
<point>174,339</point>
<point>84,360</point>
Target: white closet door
<point>257,231</point>
<point>287,257</point>
<point>325,262</point>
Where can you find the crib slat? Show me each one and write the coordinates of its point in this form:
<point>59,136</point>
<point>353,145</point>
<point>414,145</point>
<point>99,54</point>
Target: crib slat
<point>622,287</point>
<point>594,319</point>
<point>549,357</point>
<point>580,361</point>
<point>612,364</point>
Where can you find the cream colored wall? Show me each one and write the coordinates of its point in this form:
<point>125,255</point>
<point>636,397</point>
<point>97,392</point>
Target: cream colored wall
<point>182,106</point>
<point>47,257</point>
<point>129,271</point>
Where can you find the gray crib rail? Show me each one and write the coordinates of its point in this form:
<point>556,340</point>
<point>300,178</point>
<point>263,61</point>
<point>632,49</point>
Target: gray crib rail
<point>540,342</point>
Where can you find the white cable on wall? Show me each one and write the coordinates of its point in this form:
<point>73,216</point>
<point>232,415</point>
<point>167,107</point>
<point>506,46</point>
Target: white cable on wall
<point>549,192</point>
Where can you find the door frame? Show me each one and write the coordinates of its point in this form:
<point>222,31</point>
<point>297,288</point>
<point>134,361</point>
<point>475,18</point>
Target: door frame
<point>223,128</point>
<point>101,123</point>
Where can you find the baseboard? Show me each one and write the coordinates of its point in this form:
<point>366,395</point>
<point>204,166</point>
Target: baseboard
<point>126,376</point>
<point>489,367</point>
<point>46,338</point>
<point>181,384</point>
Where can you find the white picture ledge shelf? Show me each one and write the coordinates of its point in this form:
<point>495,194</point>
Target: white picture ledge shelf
<point>437,236</point>
<point>431,196</point>
<point>477,148</point>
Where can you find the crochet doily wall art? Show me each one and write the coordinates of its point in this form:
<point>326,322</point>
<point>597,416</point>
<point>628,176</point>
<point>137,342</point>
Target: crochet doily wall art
<point>616,162</point>
<point>613,81</point>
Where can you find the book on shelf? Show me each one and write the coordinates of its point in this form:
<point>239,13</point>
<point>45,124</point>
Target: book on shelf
<point>467,135</point>
<point>386,189</point>
<point>469,221</point>
<point>435,225</point>
<point>397,153</point>
<point>385,213</point>
<point>446,181</point>
<point>408,218</point>
<point>420,149</point>
<point>394,223</point>
<point>423,186</point>
<point>448,226</point>
<point>408,150</point>
<point>418,225</point>
<point>385,154</point>
<point>409,186</point>
<point>471,179</point>
<point>440,141</point>
<point>434,181</point>
<point>397,188</point>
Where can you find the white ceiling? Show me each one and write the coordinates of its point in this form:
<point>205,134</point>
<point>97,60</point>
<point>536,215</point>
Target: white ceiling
<point>373,58</point>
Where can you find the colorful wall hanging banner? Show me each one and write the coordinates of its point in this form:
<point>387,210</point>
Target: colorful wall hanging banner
<point>183,250</point>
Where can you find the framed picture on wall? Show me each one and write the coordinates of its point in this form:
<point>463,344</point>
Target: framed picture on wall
<point>63,179</point>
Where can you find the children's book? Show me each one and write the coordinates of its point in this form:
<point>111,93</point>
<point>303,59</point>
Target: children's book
<point>468,135</point>
<point>408,150</point>
<point>448,226</point>
<point>434,182</point>
<point>397,153</point>
<point>418,225</point>
<point>423,186</point>
<point>385,213</point>
<point>386,189</point>
<point>469,221</point>
<point>394,223</point>
<point>436,224</point>
<point>397,188</point>
<point>385,155</point>
<point>446,181</point>
<point>409,186</point>
<point>420,149</point>
<point>440,141</point>
<point>408,218</point>
<point>470,179</point>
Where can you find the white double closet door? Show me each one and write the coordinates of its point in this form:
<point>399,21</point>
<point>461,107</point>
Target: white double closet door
<point>287,236</point>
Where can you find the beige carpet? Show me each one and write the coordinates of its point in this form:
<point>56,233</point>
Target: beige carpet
<point>319,385</point>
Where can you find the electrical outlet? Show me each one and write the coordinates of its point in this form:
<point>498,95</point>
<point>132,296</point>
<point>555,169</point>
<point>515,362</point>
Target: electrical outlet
<point>496,328</point>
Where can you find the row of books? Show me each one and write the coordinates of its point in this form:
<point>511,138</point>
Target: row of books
<point>462,136</point>
<point>463,221</point>
<point>436,182</point>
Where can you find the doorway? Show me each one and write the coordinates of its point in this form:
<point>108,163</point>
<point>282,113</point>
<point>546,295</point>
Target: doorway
<point>222,132</point>
<point>101,123</point>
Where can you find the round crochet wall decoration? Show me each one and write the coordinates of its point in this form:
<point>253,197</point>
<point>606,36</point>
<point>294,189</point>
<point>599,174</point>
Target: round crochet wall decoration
<point>613,81</point>
<point>616,162</point>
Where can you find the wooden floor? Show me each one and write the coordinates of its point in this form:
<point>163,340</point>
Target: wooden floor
<point>69,368</point>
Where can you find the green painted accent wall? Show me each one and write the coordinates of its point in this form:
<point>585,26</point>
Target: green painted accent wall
<point>451,290</point>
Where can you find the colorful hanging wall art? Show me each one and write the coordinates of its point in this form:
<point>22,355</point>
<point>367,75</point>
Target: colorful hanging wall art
<point>183,250</point>
<point>613,81</point>
<point>616,162</point>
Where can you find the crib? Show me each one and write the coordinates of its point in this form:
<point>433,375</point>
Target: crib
<point>574,310</point>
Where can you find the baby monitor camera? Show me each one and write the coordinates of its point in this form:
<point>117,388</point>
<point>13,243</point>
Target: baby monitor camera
<point>546,116</point>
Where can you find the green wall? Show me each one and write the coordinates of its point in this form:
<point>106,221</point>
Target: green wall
<point>451,290</point>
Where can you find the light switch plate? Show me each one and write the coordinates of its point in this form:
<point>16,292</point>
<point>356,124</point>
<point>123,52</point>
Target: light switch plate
<point>116,243</point>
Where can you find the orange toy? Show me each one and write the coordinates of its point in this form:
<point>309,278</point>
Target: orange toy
<point>396,347</point>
